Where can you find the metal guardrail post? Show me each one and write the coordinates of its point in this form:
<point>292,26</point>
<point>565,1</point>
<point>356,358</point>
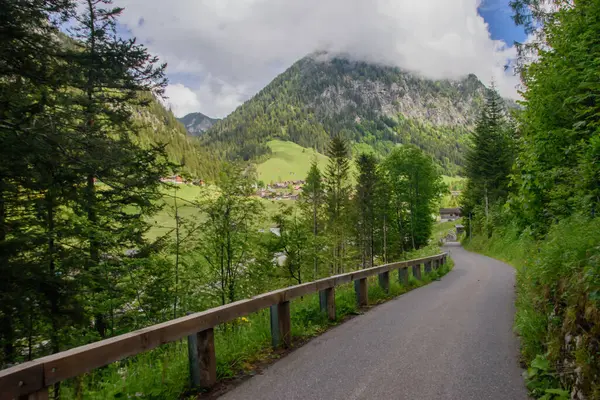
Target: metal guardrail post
<point>384,281</point>
<point>361,288</point>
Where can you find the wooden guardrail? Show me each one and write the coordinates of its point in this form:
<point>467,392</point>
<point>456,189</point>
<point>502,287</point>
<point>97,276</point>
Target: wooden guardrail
<point>31,379</point>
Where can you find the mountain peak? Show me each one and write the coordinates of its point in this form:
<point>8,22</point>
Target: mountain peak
<point>376,106</point>
<point>197,123</point>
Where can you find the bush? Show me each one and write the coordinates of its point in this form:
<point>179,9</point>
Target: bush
<point>558,298</point>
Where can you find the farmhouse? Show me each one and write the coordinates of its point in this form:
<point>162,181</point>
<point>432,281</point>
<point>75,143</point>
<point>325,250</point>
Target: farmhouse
<point>449,214</point>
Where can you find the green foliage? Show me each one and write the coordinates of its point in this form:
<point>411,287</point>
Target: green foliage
<point>558,166</point>
<point>489,160</point>
<point>415,190</point>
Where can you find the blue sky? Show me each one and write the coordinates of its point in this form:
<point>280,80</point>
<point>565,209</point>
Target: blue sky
<point>497,13</point>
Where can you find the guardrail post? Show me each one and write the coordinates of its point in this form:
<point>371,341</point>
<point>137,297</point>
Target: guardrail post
<point>40,395</point>
<point>281,325</point>
<point>327,302</point>
<point>403,276</point>
<point>203,362</point>
<point>361,288</point>
<point>384,281</point>
<point>417,271</point>
<point>428,267</point>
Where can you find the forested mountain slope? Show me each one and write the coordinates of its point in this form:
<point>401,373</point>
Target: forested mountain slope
<point>160,126</point>
<point>319,97</point>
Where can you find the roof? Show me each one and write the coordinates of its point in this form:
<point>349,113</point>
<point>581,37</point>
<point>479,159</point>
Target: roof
<point>449,210</point>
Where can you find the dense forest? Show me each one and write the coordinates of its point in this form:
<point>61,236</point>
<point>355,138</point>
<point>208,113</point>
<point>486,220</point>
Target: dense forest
<point>320,97</point>
<point>533,194</point>
<point>80,167</point>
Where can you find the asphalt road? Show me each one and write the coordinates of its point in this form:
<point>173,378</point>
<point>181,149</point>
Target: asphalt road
<point>451,339</point>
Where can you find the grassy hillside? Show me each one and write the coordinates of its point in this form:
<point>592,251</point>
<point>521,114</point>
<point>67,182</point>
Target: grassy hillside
<point>289,161</point>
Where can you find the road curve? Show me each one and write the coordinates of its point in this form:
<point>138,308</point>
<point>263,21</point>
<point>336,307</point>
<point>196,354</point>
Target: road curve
<point>451,339</point>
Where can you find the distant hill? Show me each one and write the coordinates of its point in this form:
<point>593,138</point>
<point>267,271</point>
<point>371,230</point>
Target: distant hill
<point>159,126</point>
<point>319,97</point>
<point>197,123</point>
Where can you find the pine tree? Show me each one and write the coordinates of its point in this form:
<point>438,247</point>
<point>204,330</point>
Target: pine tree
<point>338,187</point>
<point>31,183</point>
<point>364,203</point>
<point>490,159</point>
<point>312,200</point>
<point>108,75</point>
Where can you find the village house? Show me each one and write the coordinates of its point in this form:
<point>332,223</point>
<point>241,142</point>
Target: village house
<point>449,214</point>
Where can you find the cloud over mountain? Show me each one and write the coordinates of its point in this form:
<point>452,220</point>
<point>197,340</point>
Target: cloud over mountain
<point>224,51</point>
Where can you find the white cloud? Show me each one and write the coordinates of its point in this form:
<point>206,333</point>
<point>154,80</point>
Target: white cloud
<point>182,100</point>
<point>235,47</point>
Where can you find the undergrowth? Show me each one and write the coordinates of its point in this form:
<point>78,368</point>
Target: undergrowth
<point>558,304</point>
<point>163,373</point>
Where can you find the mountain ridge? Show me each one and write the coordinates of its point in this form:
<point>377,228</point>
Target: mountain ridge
<point>375,106</point>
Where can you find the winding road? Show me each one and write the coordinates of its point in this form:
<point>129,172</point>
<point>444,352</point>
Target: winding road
<point>451,339</point>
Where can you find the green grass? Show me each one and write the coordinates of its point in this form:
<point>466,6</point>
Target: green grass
<point>289,161</point>
<point>163,373</point>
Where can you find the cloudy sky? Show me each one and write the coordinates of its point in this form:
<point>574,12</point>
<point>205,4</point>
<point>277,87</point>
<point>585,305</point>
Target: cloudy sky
<point>221,52</point>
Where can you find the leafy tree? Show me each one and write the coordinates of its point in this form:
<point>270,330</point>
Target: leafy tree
<point>416,188</point>
<point>228,234</point>
<point>294,241</point>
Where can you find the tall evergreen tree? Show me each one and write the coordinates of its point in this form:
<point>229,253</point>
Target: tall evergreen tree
<point>364,203</point>
<point>30,75</point>
<point>490,159</point>
<point>337,183</point>
<point>109,75</point>
<point>312,200</point>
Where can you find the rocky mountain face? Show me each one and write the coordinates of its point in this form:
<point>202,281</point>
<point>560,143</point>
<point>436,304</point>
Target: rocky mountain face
<point>375,107</point>
<point>197,123</point>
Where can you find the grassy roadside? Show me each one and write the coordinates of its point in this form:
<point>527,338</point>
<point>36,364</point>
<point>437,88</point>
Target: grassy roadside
<point>240,346</point>
<point>558,304</point>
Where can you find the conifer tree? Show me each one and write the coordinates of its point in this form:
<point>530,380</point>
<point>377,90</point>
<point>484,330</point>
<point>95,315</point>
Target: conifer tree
<point>364,203</point>
<point>109,75</point>
<point>312,200</point>
<point>489,160</point>
<point>337,183</point>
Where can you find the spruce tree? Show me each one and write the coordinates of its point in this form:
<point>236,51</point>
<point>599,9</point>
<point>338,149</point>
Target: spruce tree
<point>312,200</point>
<point>490,158</point>
<point>364,203</point>
<point>337,183</point>
<point>109,75</point>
